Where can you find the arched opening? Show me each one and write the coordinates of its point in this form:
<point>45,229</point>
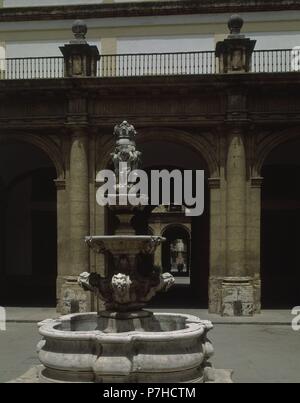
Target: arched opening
<point>176,253</point>
<point>28,231</point>
<point>280,260</point>
<point>192,290</point>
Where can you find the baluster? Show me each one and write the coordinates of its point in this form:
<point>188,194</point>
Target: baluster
<point>173,64</point>
<point>167,57</point>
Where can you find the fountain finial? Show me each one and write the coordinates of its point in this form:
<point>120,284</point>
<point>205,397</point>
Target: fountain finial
<point>125,131</point>
<point>125,150</point>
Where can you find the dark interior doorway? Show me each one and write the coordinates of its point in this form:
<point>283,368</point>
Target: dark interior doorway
<point>167,155</point>
<point>28,251</point>
<point>280,266</point>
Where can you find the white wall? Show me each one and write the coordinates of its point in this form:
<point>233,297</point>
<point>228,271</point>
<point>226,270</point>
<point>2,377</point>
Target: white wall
<point>149,45</point>
<point>275,40</point>
<point>165,44</point>
<point>37,49</point>
<point>127,45</point>
<point>2,50</point>
<point>33,49</point>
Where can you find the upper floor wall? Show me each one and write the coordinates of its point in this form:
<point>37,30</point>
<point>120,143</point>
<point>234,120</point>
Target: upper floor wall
<point>31,35</point>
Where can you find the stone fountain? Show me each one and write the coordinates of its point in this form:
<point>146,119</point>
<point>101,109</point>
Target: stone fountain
<point>125,343</point>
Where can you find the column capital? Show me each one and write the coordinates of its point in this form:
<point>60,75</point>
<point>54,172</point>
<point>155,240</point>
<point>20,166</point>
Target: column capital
<point>214,183</point>
<point>60,184</point>
<point>256,182</point>
<point>77,131</point>
<point>237,127</point>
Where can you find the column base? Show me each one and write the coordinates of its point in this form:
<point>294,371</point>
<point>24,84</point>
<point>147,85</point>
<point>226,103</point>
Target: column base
<point>257,295</point>
<point>215,295</point>
<point>73,299</point>
<point>238,296</point>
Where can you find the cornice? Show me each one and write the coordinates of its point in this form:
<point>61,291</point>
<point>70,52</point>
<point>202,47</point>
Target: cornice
<point>143,9</point>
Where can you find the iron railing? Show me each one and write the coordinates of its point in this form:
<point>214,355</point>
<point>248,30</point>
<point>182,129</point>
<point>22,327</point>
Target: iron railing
<point>276,61</point>
<point>31,68</point>
<point>153,64</point>
<point>157,64</point>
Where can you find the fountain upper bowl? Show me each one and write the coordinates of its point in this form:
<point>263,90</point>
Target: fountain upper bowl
<point>121,244</point>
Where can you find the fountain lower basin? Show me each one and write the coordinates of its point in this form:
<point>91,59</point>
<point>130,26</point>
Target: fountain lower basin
<point>124,348</point>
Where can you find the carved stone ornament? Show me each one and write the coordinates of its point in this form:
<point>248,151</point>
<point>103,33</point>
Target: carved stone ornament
<point>123,293</point>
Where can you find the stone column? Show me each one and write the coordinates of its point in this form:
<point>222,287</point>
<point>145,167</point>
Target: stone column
<point>217,249</point>
<point>253,255</point>
<point>158,255</point>
<point>74,299</point>
<point>237,288</point>
<point>62,237</point>
<point>79,201</point>
<point>234,54</point>
<point>236,204</point>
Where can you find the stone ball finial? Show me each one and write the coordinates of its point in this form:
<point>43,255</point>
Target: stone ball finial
<point>235,24</point>
<point>79,29</point>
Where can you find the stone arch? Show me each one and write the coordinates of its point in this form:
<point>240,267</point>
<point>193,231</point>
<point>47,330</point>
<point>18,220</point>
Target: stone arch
<point>30,166</point>
<point>176,225</point>
<point>44,144</point>
<point>270,143</point>
<point>197,143</point>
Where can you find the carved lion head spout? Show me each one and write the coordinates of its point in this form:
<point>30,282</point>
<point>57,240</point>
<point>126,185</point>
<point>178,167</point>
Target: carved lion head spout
<point>168,281</point>
<point>121,285</point>
<point>122,293</point>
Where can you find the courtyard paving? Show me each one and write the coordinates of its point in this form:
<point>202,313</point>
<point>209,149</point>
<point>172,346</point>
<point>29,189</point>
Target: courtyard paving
<point>257,350</point>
